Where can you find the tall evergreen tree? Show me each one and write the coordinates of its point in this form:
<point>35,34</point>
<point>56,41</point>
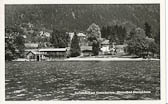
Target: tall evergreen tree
<point>19,42</point>
<point>75,48</point>
<point>104,33</point>
<point>95,47</point>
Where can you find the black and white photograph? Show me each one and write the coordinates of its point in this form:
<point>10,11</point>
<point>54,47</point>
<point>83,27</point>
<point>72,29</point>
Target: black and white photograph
<point>82,52</point>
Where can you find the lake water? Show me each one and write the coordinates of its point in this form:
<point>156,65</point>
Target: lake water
<point>89,80</point>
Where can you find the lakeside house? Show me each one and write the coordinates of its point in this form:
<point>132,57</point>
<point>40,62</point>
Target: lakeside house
<point>82,38</point>
<point>105,47</point>
<point>26,51</point>
<point>46,54</point>
<point>52,53</point>
<point>33,56</point>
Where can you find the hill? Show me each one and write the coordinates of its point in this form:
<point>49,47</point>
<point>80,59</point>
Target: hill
<point>72,17</point>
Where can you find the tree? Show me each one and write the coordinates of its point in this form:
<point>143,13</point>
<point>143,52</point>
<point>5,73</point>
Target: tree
<point>157,38</point>
<point>14,43</point>
<point>141,45</point>
<point>104,33</point>
<point>19,42</point>
<point>10,49</point>
<point>95,47</point>
<point>94,35</point>
<point>152,46</point>
<point>157,41</point>
<point>59,39</point>
<point>131,34</point>
<point>147,29</point>
<point>137,44</point>
<point>75,48</point>
<point>94,31</point>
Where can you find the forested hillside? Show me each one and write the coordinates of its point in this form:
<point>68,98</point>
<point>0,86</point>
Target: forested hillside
<point>79,17</point>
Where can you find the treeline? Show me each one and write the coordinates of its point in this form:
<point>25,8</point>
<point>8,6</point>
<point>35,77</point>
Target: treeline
<point>114,33</point>
<point>142,42</point>
<point>59,38</point>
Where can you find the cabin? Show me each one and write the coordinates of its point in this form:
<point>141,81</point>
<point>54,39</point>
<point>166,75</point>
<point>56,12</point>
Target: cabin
<point>33,56</point>
<point>53,53</point>
<point>46,54</point>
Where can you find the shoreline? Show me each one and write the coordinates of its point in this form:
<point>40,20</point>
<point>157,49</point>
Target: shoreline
<point>91,59</point>
<point>110,59</point>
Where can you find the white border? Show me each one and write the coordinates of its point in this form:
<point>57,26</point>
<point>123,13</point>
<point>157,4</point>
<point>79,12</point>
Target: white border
<point>80,1</point>
<point>166,51</point>
<point>163,37</point>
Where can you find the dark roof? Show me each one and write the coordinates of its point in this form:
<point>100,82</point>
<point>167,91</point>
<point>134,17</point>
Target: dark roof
<point>87,51</point>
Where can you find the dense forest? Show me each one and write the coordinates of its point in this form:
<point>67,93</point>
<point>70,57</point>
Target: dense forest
<point>79,17</point>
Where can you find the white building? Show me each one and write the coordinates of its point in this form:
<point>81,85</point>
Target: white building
<point>105,47</point>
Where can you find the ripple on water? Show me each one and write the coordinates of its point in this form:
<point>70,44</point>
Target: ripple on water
<point>19,91</point>
<point>20,95</point>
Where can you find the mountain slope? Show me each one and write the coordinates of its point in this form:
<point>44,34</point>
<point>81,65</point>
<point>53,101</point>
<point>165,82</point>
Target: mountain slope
<point>79,17</point>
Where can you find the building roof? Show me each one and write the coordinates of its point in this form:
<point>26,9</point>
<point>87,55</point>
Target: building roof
<point>34,52</point>
<point>43,33</point>
<point>84,48</point>
<point>31,45</point>
<point>53,49</point>
<point>71,34</point>
<point>81,34</point>
<point>120,46</point>
<point>105,42</point>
